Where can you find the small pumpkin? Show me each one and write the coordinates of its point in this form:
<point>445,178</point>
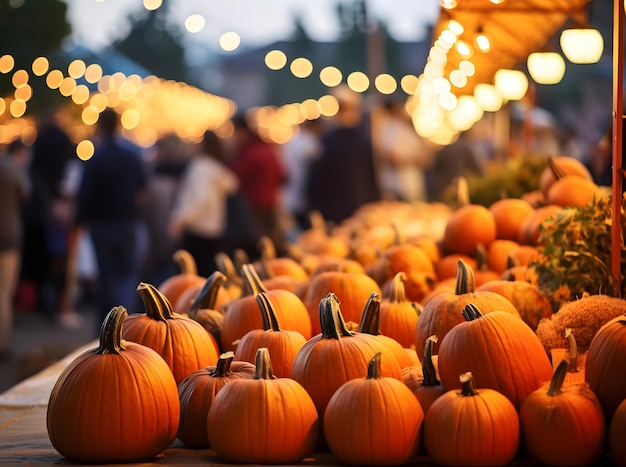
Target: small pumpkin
<point>430,388</point>
<point>575,361</point>
<point>398,314</point>
<point>204,307</point>
<point>197,392</point>
<point>174,286</point>
<point>617,433</point>
<point>117,403</point>
<point>509,214</point>
<point>280,419</point>
<point>374,420</point>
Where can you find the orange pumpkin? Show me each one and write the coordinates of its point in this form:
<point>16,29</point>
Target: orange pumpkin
<point>430,388</point>
<point>558,167</point>
<point>197,392</point>
<point>283,345</point>
<point>280,420</point>
<point>509,214</point>
<point>575,362</point>
<point>398,314</point>
<point>381,416</point>
<point>529,230</point>
<point>204,307</point>
<point>617,433</point>
<point>174,286</point>
<point>472,427</point>
<point>117,403</point>
<point>182,342</point>
<point>563,424</point>
<point>573,191</point>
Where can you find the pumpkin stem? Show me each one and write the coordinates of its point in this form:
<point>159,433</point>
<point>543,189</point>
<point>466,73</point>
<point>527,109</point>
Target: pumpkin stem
<point>331,320</point>
<point>556,383</point>
<point>397,292</point>
<point>462,192</point>
<point>573,351</point>
<point>267,248</point>
<point>428,369</point>
<point>468,387</point>
<point>263,364</point>
<point>558,173</point>
<point>481,257</point>
<point>373,368</point>
<point>226,266</point>
<point>240,258</point>
<point>464,278</point>
<point>111,331</point>
<point>207,297</point>
<point>222,368</point>
<point>370,319</point>
<point>252,282</point>
<point>157,306</point>
<point>268,313</point>
<point>317,221</point>
<point>185,262</point>
<point>471,312</point>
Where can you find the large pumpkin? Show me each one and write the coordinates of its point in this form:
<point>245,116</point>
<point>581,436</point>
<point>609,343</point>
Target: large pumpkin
<point>117,403</point>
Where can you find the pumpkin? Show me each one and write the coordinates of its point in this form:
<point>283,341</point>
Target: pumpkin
<point>351,288</point>
<point>444,311</point>
<point>204,307</point>
<point>117,403</point>
<point>174,286</point>
<point>563,424</point>
<point>606,360</point>
<point>274,265</point>
<point>483,272</point>
<point>509,214</point>
<point>197,392</point>
<point>283,345</point>
<point>398,314</point>
<point>573,191</point>
<point>182,342</point>
<point>558,167</point>
<point>264,420</point>
<point>498,254</point>
<point>374,420</point>
<point>430,388</point>
<point>234,282</point>
<point>242,314</point>
<point>530,228</point>
<point>617,433</point>
<point>493,345</point>
<point>471,427</point>
<point>448,265</point>
<point>575,361</point>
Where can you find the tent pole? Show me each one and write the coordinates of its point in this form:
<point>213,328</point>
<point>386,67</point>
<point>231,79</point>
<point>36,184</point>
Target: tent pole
<point>617,116</point>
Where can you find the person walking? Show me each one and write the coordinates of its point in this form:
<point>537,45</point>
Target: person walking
<point>111,190</point>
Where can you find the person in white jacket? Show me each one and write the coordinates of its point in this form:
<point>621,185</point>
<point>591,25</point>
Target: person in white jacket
<point>199,216</point>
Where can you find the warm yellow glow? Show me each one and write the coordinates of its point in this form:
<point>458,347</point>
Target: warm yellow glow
<point>7,62</point>
<point>311,109</point>
<point>447,100</point>
<point>464,49</point>
<point>280,134</point>
<point>99,102</point>
<point>511,84</point>
<point>17,108</point>
<point>76,69</point>
<point>230,41</point>
<point>487,97</point>
<point>358,81</point>
<point>458,78</point>
<point>301,67</point>
<point>385,84</point>
<point>456,27</point>
<point>330,76</point>
<point>582,45</point>
<point>130,119</point>
<point>329,105</point>
<point>90,115</point>
<point>441,85</point>
<point>24,93</point>
<point>483,43</point>
<point>546,67</point>
<point>466,113</point>
<point>146,137</point>
<point>3,105</point>
<point>54,79</point>
<point>448,38</point>
<point>290,114</point>
<point>152,5</point>
<point>408,83</point>
<point>275,59</point>
<point>67,86</point>
<point>447,4</point>
<point>438,55</point>
<point>195,23</point>
<point>20,78</point>
<point>467,68</point>
<point>85,150</point>
<point>40,66</point>
<point>80,94</point>
<point>93,73</point>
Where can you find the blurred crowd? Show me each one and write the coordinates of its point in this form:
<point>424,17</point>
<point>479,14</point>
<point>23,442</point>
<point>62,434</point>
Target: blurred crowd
<point>74,232</point>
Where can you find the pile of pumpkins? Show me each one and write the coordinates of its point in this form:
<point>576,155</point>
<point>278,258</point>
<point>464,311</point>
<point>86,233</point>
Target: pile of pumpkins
<point>407,332</point>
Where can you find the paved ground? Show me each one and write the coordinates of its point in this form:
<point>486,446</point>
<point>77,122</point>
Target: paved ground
<point>38,342</point>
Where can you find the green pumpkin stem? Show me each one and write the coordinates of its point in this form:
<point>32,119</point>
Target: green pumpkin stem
<point>471,312</point>
<point>222,368</point>
<point>207,297</point>
<point>573,351</point>
<point>263,364</point>
<point>331,320</point>
<point>397,292</point>
<point>370,319</point>
<point>373,368</point>
<point>468,387</point>
<point>111,331</point>
<point>465,282</point>
<point>185,262</point>
<point>157,306</point>
<point>268,313</point>
<point>556,383</point>
<point>252,282</point>
<point>428,368</point>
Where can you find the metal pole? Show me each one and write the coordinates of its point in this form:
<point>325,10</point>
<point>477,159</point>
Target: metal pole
<point>617,116</point>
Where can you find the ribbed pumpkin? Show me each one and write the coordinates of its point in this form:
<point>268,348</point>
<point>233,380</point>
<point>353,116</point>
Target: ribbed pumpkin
<point>264,420</point>
<point>493,345</point>
<point>182,342</point>
<point>430,388</point>
<point>282,344</point>
<point>509,214</point>
<point>197,391</point>
<point>204,307</point>
<point>242,314</point>
<point>617,434</point>
<point>117,403</point>
<point>471,427</point>
<point>374,420</point>
<point>398,314</point>
<point>444,311</point>
<point>336,355</point>
<point>563,424</point>
<point>606,360</point>
<point>275,265</point>
<point>174,286</point>
<point>352,289</point>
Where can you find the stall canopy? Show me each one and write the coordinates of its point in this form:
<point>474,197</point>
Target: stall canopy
<point>515,28</point>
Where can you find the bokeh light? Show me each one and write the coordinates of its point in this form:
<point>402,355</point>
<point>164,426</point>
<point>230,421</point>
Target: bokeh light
<point>275,59</point>
<point>301,67</point>
<point>230,41</point>
<point>358,81</point>
<point>195,23</point>
<point>330,76</point>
